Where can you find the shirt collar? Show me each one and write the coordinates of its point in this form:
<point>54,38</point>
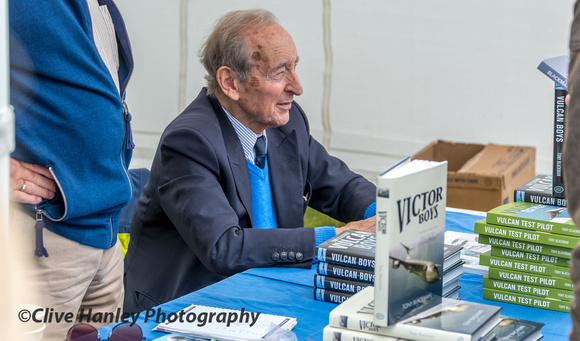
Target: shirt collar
<point>246,135</point>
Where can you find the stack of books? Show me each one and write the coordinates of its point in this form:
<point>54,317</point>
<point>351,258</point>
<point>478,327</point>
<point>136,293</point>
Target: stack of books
<point>531,247</point>
<point>452,270</point>
<point>538,190</point>
<point>471,249</point>
<point>449,320</point>
<point>346,266</point>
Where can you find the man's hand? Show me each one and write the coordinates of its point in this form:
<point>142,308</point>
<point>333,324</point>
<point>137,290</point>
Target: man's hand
<point>29,183</point>
<point>367,225</point>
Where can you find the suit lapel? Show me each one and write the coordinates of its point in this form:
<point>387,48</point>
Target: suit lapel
<point>285,177</point>
<point>236,157</point>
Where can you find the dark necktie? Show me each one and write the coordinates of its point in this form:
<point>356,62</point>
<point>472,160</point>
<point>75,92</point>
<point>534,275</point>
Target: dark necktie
<point>260,150</point>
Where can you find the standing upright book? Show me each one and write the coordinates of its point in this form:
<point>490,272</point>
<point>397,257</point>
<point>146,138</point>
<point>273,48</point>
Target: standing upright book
<point>410,227</point>
<point>538,190</point>
<point>556,69</point>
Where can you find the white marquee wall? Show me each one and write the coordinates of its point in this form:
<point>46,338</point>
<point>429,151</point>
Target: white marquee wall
<point>404,73</point>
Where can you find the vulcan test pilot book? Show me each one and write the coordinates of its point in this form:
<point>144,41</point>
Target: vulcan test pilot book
<point>410,228</point>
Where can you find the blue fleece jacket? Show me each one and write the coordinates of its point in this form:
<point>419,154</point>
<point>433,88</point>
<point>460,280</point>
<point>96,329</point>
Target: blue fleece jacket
<point>70,117</point>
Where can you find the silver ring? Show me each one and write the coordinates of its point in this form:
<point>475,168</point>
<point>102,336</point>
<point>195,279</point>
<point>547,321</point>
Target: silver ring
<point>23,186</point>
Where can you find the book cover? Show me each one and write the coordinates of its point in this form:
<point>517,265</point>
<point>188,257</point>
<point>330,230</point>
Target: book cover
<point>528,256</point>
<point>331,296</point>
<point>545,250</point>
<point>527,300</point>
<point>210,323</point>
<point>338,284</point>
<point>352,248</point>
<point>524,266</point>
<point>338,334</point>
<point>558,141</point>
<point>539,237</point>
<point>410,227</point>
<point>538,190</point>
<point>528,278</point>
<point>472,248</point>
<point>449,320</point>
<point>526,215</point>
<point>522,288</point>
<point>515,329</point>
<point>556,68</point>
<point>346,272</point>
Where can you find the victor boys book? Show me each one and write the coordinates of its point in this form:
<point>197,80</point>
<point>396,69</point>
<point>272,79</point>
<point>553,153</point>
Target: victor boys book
<point>410,227</point>
<point>449,320</point>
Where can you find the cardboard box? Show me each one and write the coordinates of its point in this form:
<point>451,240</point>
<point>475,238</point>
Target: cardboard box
<point>481,177</point>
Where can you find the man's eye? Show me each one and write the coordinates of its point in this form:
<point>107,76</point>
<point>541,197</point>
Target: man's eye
<point>279,75</point>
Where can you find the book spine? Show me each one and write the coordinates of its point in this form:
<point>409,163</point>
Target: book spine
<point>538,197</point>
<point>331,296</point>
<point>400,330</point>
<point>559,119</point>
<point>519,265</point>
<point>334,334</point>
<point>528,256</point>
<point>546,250</point>
<point>525,235</point>
<point>523,277</point>
<point>382,253</point>
<point>532,224</point>
<point>558,294</point>
<point>338,284</point>
<point>345,257</point>
<point>526,300</point>
<point>339,271</point>
<point>554,74</point>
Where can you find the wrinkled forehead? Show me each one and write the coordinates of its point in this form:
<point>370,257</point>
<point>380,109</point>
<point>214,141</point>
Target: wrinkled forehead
<point>270,44</point>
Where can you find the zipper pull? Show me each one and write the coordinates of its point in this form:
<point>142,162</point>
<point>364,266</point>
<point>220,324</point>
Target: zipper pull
<point>40,249</point>
<point>127,117</point>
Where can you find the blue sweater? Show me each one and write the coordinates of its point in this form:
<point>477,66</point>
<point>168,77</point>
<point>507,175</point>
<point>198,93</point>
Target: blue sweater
<point>69,115</point>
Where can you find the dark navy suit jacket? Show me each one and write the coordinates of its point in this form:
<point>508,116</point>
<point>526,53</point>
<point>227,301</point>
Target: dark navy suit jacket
<point>193,224</point>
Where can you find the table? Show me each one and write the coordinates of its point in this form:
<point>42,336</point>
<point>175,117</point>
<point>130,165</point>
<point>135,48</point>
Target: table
<point>289,292</point>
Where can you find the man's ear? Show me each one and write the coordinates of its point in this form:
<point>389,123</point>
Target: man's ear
<point>228,82</point>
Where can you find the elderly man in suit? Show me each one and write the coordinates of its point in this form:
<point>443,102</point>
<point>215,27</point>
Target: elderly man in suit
<point>234,173</point>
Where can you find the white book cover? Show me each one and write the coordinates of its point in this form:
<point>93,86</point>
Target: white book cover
<point>453,320</point>
<point>410,228</point>
<point>225,324</point>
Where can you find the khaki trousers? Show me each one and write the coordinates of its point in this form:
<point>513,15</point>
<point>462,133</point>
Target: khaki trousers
<point>73,279</point>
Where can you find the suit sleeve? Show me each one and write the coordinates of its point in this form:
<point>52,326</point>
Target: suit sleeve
<point>199,195</point>
<point>336,190</point>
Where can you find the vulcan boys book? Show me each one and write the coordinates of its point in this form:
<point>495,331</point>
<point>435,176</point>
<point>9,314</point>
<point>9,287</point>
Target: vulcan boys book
<point>410,228</point>
<point>351,248</point>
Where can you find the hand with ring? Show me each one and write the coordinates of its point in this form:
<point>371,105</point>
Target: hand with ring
<point>30,183</point>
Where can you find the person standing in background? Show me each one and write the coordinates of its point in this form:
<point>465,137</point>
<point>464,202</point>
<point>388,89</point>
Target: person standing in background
<point>571,162</point>
<point>70,62</point>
